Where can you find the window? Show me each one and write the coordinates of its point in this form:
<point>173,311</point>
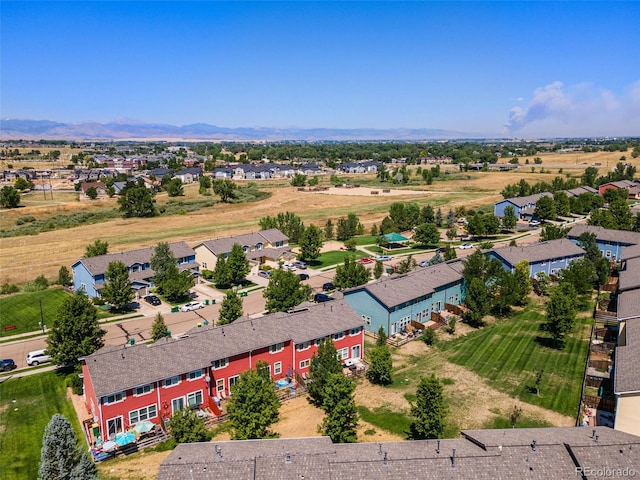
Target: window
<point>115,398</point>
<point>170,382</point>
<point>317,341</point>
<point>305,363</point>
<point>338,336</point>
<point>355,351</point>
<point>258,246</point>
<point>303,346</point>
<point>194,375</point>
<point>354,331</point>
<point>343,353</point>
<point>143,390</point>
<point>194,398</point>
<point>220,385</point>
<point>204,264</point>
<point>223,362</point>
<point>367,319</point>
<point>233,381</point>
<point>278,347</point>
<point>114,426</point>
<point>177,404</point>
<point>277,368</point>
<point>144,413</point>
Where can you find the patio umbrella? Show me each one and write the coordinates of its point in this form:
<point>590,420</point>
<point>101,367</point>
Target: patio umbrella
<point>109,445</point>
<point>125,438</point>
<point>143,427</point>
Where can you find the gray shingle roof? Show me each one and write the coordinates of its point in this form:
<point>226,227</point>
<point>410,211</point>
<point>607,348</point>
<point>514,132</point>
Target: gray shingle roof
<point>627,374</point>
<point>538,252</point>
<point>630,276</point>
<point>220,246</point>
<point>476,456</point>
<point>522,201</point>
<point>606,234</point>
<point>394,290</point>
<point>631,251</point>
<point>114,369</point>
<point>98,265</point>
<point>574,192</point>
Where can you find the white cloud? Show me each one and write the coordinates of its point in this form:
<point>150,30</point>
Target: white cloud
<point>584,109</point>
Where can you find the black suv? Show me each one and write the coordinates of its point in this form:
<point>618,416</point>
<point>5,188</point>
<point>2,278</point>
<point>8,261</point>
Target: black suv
<point>153,300</point>
<point>328,286</point>
<point>321,297</point>
<point>7,364</point>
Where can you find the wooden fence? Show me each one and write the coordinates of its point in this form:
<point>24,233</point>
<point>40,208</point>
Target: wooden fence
<point>606,404</point>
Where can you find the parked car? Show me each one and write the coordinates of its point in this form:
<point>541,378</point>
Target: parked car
<point>365,260</point>
<point>303,276</point>
<point>7,364</point>
<point>300,264</point>
<point>264,274</point>
<point>328,286</point>
<point>37,357</point>
<point>534,223</point>
<point>153,300</point>
<point>188,307</point>
<point>424,263</point>
<point>321,297</point>
<point>465,246</point>
<point>383,258</point>
<point>289,266</point>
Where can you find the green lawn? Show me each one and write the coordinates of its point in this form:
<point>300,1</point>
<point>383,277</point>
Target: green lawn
<point>23,310</point>
<point>333,258</point>
<point>366,240</point>
<point>28,403</point>
<point>509,353</point>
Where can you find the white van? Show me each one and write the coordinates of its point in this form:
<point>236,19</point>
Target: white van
<point>37,357</point>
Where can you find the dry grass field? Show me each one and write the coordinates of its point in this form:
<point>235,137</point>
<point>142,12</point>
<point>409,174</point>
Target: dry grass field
<point>23,258</point>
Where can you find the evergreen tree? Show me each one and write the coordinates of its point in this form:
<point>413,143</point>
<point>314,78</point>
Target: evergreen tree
<point>328,229</point>
<point>380,366</point>
<point>374,230</point>
<point>159,329</point>
<point>427,215</point>
<point>478,301</point>
<point>341,421</point>
<point>449,253</point>
<point>253,406</point>
<point>230,308</point>
<point>96,248</point>
<point>238,264</point>
<point>351,274</point>
<point>439,218</point>
<point>382,337</point>
<point>387,226</point>
<point>310,243</point>
<point>451,219</point>
<point>285,291</point>
<point>75,332</point>
<point>378,269</point>
<point>118,289</point>
<point>60,456</point>
<point>430,410</point>
<point>187,427</point>
<point>221,274</point>
<point>323,365</point>
<point>509,220</point>
<point>64,277</point>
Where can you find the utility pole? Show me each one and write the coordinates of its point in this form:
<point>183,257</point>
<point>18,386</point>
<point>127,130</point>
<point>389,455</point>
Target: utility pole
<point>41,316</point>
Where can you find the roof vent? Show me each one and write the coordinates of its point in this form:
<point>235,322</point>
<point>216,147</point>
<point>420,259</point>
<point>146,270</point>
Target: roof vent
<point>219,451</point>
<point>438,447</point>
<point>384,460</point>
<point>379,449</point>
<point>533,445</point>
<point>453,459</point>
<point>287,458</point>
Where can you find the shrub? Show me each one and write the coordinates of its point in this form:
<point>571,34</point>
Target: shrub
<point>7,288</point>
<point>26,219</point>
<point>207,274</point>
<point>429,336</point>
<point>451,327</point>
<point>75,382</point>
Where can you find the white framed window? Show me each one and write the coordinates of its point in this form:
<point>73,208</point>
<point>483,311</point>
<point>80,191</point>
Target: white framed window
<point>305,363</point>
<point>338,336</point>
<point>278,347</point>
<point>194,375</point>
<point>144,413</point>
<point>220,385</point>
<point>317,341</point>
<point>354,331</point>
<point>170,382</point>
<point>367,319</point>
<point>277,368</point>
<point>233,380</point>
<point>115,398</point>
<point>217,364</point>
<point>355,351</point>
<point>143,390</point>
<point>303,346</point>
<point>343,353</point>
<point>194,398</point>
<point>204,265</point>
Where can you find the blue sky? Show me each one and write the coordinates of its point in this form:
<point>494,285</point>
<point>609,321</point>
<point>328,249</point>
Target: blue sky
<point>524,69</point>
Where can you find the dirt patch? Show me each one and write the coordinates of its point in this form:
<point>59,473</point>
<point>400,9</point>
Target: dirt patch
<point>368,192</point>
<point>140,466</point>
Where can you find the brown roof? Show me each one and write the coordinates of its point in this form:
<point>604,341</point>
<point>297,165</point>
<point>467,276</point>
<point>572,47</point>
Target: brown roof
<point>510,454</point>
<point>606,234</point>
<point>539,252</point>
<point>397,289</point>
<point>98,265</point>
<point>220,246</point>
<point>116,369</point>
<point>627,374</point>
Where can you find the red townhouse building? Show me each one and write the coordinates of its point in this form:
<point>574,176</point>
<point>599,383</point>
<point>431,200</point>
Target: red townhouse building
<point>127,384</point>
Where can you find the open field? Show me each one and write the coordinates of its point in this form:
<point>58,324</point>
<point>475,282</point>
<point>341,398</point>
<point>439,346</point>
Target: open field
<point>23,310</point>
<point>26,407</point>
<point>579,159</point>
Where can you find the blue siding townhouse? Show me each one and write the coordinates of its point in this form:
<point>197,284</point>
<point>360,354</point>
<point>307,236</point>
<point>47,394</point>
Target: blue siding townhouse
<point>610,242</point>
<point>392,302</point>
<point>523,206</point>
<point>549,257</point>
<point>89,273</point>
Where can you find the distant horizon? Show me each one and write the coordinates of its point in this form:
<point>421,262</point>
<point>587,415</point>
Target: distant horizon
<point>534,69</point>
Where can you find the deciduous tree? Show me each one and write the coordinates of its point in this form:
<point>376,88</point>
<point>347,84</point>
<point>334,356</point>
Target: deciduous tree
<point>117,290</point>
<point>324,364</point>
<point>9,197</point>
<point>310,243</point>
<point>238,264</point>
<point>427,234</point>
<point>159,328</point>
<point>230,308</point>
<point>341,421</point>
<point>351,274</point>
<point>187,427</point>
<point>430,411</point>
<point>285,291</point>
<point>509,220</point>
<point>225,189</point>
<point>136,200</point>
<point>221,275</point>
<point>96,248</point>
<point>64,277</point>
<point>75,332</point>
<point>380,365</point>
<point>561,313</point>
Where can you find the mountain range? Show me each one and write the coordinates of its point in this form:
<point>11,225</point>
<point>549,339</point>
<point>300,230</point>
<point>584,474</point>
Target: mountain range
<point>14,129</point>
